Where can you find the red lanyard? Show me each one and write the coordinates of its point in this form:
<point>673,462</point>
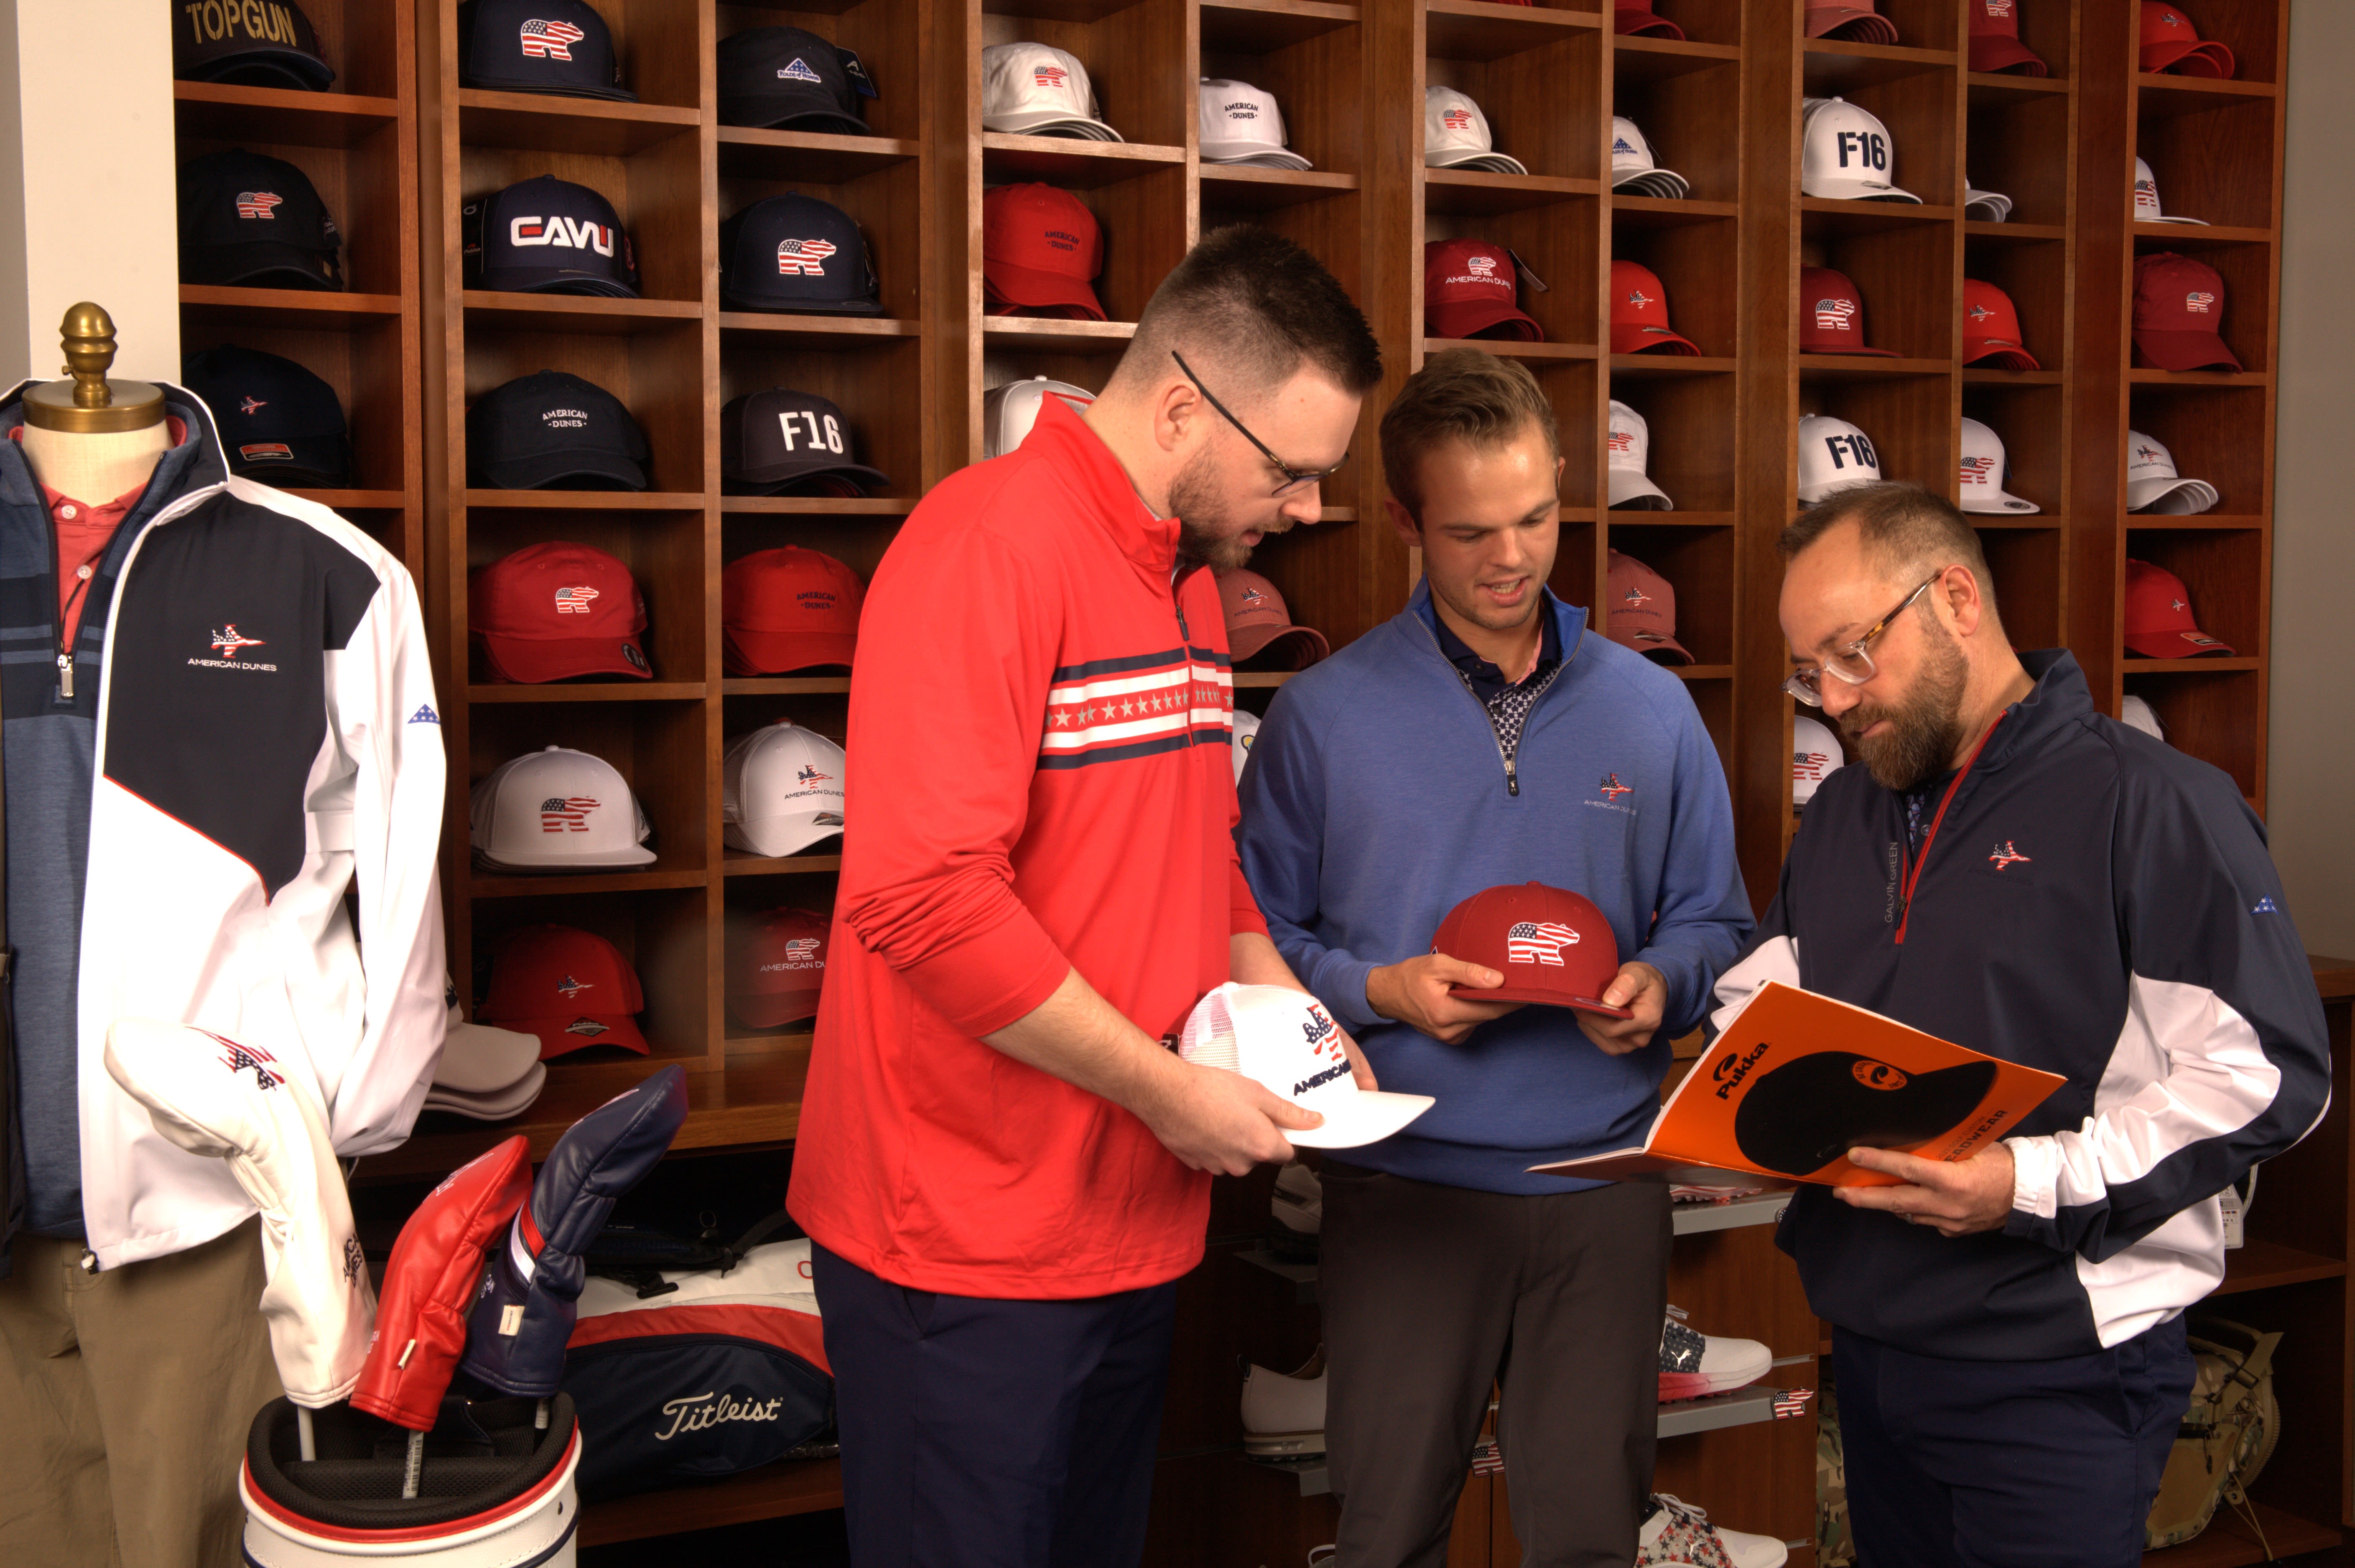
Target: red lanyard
<point>1913,871</point>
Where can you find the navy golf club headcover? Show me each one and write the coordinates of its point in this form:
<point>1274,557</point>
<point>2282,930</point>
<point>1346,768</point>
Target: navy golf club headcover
<point>1800,1117</point>
<point>524,1313</point>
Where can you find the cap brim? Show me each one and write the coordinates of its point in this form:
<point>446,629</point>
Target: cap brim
<point>1538,998</point>
<point>1475,160</point>
<point>306,72</point>
<point>1849,350</point>
<point>1851,190</point>
<point>2194,222</point>
<point>772,112</point>
<point>2184,350</point>
<point>321,461</point>
<point>544,468</point>
<point>748,651</point>
<point>1864,26</point>
<point>1664,185</point>
<point>1630,488</point>
<point>736,301</point>
<point>2170,645</point>
<point>1988,209</point>
<point>610,94</point>
<point>2207,57</point>
<point>774,1010</point>
<point>532,662</point>
<point>561,280</point>
<point>1472,318</point>
<point>2006,355</point>
<point>498,1105</point>
<point>636,854</point>
<point>1353,1121</point>
<point>267,264</point>
<point>1658,646</point>
<point>2000,502</point>
<point>1016,285</point>
<point>483,1061</point>
<point>1256,157</point>
<point>1048,123</point>
<point>1995,52</point>
<point>620,1029</point>
<point>775,837</point>
<point>1644,22</point>
<point>1629,337</point>
<point>2155,495</point>
<point>1278,647</point>
<point>770,480</point>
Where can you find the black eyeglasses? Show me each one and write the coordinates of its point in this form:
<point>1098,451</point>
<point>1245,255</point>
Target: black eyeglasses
<point>1294,477</point>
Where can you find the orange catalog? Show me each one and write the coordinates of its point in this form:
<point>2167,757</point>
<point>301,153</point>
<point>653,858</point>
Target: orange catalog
<point>1796,1080</point>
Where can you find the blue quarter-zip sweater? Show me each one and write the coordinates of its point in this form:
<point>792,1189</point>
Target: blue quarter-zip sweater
<point>1377,799</point>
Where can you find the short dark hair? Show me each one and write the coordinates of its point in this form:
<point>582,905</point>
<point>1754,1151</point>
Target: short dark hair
<point>1906,531</point>
<point>1257,307</point>
<point>1460,394</point>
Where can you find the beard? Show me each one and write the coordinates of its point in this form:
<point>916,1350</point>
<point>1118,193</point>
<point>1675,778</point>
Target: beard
<point>1207,529</point>
<point>1925,728</point>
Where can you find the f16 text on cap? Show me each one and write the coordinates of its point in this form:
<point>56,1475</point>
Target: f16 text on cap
<point>1854,448</point>
<point>1871,149</point>
<point>825,431</point>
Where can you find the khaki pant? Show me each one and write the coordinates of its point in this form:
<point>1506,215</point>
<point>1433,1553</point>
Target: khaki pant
<point>124,1402</point>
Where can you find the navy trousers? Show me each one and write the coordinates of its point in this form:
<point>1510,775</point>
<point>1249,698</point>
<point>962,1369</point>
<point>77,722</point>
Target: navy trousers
<point>988,1433</point>
<point>2051,1464</point>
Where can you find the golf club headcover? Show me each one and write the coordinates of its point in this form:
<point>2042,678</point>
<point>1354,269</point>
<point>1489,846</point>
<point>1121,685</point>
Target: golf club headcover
<point>429,1285</point>
<point>524,1313</point>
<point>214,1096</point>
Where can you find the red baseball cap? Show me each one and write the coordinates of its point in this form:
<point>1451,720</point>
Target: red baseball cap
<point>2159,616</point>
<point>2178,305</point>
<point>776,963</point>
<point>1040,247</point>
<point>1643,610</point>
<point>1552,945</point>
<point>1637,17</point>
<point>2169,42</point>
<point>552,611</point>
<point>570,988</point>
<point>1260,626</point>
<point>1831,314</point>
<point>787,610</point>
<point>1991,328</point>
<point>1995,39</point>
<point>1639,312</point>
<point>1854,20</point>
<point>1470,288</point>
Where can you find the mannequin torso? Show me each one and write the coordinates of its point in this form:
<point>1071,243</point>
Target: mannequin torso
<point>95,469</point>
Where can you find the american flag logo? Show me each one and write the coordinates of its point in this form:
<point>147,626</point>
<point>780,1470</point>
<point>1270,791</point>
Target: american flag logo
<point>1619,145</point>
<point>1979,470</point>
<point>804,258</point>
<point>1539,942</point>
<point>569,988</point>
<point>1481,266</point>
<point>810,775</point>
<point>1638,297</point>
<point>2005,855</point>
<point>236,1058</point>
<point>1487,1458</point>
<point>257,204</point>
<point>567,814</point>
<point>2199,300</point>
<point>800,70</point>
<point>802,947</point>
<point>228,640</point>
<point>1999,8</point>
<point>1458,120</point>
<point>1832,316</point>
<point>574,601</point>
<point>1634,597</point>
<point>1623,441</point>
<point>1979,312</point>
<point>1049,75</point>
<point>1611,790</point>
<point>549,40</point>
<point>252,404</point>
<point>1792,1403</point>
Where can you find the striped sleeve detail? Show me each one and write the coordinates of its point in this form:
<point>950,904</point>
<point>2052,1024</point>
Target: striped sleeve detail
<point>1115,709</point>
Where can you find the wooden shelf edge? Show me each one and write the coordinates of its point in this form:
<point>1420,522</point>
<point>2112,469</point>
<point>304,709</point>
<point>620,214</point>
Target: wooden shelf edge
<point>2334,977</point>
<point>558,106</point>
<point>591,692</point>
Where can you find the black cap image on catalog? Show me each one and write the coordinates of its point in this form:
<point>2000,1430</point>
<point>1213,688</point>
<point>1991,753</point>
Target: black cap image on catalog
<point>554,431</point>
<point>253,43</point>
<point>784,77</point>
<point>1799,1117</point>
<point>250,219</point>
<point>558,46</point>
<point>278,422</point>
<point>797,253</point>
<point>547,236</point>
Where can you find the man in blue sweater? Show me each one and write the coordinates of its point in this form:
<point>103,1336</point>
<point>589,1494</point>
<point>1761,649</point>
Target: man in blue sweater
<point>1468,743</point>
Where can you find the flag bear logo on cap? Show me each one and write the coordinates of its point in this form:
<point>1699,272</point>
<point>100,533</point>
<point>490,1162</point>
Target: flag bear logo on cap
<point>1034,89</point>
<point>1995,39</point>
<point>1519,931</point>
<point>1983,472</point>
<point>777,967</point>
<point>1816,756</point>
<point>560,48</point>
<point>557,810</point>
<point>2178,310</point>
<point>1286,1040</point>
<point>1831,318</point>
<point>1455,134</point>
<point>1628,473</point>
<point>799,254</point>
<point>227,198</point>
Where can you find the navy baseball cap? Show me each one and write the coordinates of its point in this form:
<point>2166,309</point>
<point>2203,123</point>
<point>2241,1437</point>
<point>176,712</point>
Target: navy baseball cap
<point>797,253</point>
<point>271,43</point>
<point>770,77</point>
<point>780,440</point>
<point>548,236</point>
<point>246,218</point>
<point>560,47</point>
<point>554,431</point>
<point>278,422</point>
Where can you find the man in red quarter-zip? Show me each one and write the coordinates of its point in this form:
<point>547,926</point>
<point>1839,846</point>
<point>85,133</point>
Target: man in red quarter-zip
<point>1003,1169</point>
<point>2015,871</point>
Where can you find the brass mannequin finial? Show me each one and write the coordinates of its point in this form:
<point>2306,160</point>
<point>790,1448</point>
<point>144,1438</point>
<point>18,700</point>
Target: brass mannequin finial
<point>90,404</point>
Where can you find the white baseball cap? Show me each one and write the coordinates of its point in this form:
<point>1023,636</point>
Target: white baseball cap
<point>1985,206</point>
<point>1983,474</point>
<point>2153,485</point>
<point>1008,411</point>
<point>1242,124</point>
<point>478,1059</point>
<point>2137,712</point>
<point>1286,1040</point>
<point>1635,170</point>
<point>1834,455</point>
<point>1038,91</point>
<point>1816,756</point>
<point>1246,732</point>
<point>2145,200</point>
<point>1848,155</point>
<point>491,1104</point>
<point>781,789</point>
<point>557,810</point>
<point>1455,136</point>
<point>1630,459</point>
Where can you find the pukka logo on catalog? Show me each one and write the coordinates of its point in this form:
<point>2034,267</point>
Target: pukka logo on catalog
<point>229,641</point>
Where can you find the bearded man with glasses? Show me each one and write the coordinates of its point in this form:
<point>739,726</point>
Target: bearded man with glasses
<point>2013,870</point>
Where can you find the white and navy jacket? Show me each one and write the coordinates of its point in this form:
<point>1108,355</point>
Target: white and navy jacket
<point>2095,904</point>
<point>264,736</point>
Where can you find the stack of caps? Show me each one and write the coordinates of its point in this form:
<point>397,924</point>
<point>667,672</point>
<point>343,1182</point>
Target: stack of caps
<point>278,422</point>
<point>1815,754</point>
<point>552,430</point>
<point>1471,289</point>
<point>1639,314</point>
<point>1040,252</point>
<point>1637,18</point>
<point>1031,90</point>
<point>483,1074</point>
<point>2169,42</point>
<point>1991,328</point>
<point>558,612</point>
<point>1455,136</point>
<point>1628,470</point>
<point>1846,153</point>
<point>255,221</point>
<point>2178,308</point>
<point>1995,40</point>
<point>781,443</point>
<point>547,236</point>
<point>1240,124</point>
<point>1259,629</point>
<point>1985,206</point>
<point>1834,455</point>
<point>2153,485</point>
<point>1831,315</point>
<point>567,988</point>
<point>781,789</point>
<point>788,609</point>
<point>800,254</point>
<point>264,45</point>
<point>557,810</point>
<point>778,78</point>
<point>1984,473</point>
<point>1246,732</point>
<point>1008,411</point>
<point>1850,21</point>
<point>1643,610</point>
<point>558,46</point>
<point>2159,619</point>
<point>2147,208</point>
<point>1633,168</point>
<point>777,967</point>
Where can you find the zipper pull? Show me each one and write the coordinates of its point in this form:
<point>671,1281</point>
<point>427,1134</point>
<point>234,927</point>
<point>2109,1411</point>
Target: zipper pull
<point>1512,778</point>
<point>65,678</point>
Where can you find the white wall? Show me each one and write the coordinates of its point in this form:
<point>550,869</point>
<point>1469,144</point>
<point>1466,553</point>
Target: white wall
<point>2310,780</point>
<point>87,196</point>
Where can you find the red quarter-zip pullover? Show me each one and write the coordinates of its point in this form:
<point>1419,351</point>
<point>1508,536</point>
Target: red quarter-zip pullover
<point>1038,781</point>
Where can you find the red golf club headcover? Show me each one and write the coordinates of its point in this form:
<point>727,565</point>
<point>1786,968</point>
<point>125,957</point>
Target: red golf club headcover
<point>421,1320</point>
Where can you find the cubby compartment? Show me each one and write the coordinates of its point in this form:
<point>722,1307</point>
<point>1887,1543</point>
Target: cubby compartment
<point>1140,213</point>
<point>1913,99</point>
<point>654,192</point>
<point>747,898</point>
<point>2024,559</point>
<point>1317,80</point>
<point>360,184</point>
<point>1552,246</point>
<point>1707,26</point>
<point>2036,277</point>
<point>2011,132</point>
<point>362,364</point>
<point>2215,433</point>
<point>881,195</point>
<point>2046,30</point>
<point>2211,153</point>
<point>1127,48</point>
<point>1311,565</point>
<point>2223,571</point>
<point>1331,229</point>
<point>2205,713</point>
<point>1695,263</point>
<point>657,746</point>
<point>1687,100</point>
<point>1537,82</point>
<point>2250,28</point>
<point>659,44</point>
<point>820,704</point>
<point>1903,269</point>
<point>2244,316</point>
<point>1909,419</point>
<point>1690,419</point>
<point>660,933</point>
<point>2032,422</point>
<point>885,35</point>
<point>653,366</point>
<point>858,540</point>
<point>875,382</point>
<point>662,549</point>
<point>1698,563</point>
